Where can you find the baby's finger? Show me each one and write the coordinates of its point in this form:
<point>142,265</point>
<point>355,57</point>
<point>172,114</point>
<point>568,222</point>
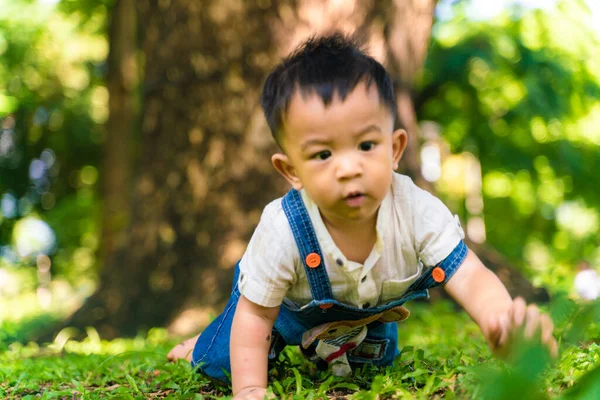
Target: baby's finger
<point>497,331</point>
<point>533,321</point>
<point>518,312</point>
<point>547,339</point>
<point>494,332</point>
<point>504,327</point>
<point>553,346</point>
<point>547,328</point>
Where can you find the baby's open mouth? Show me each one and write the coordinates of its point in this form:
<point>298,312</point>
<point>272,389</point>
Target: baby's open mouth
<point>354,199</point>
<point>353,195</point>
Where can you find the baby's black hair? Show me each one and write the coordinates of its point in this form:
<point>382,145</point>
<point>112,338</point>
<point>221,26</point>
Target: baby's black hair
<point>327,65</point>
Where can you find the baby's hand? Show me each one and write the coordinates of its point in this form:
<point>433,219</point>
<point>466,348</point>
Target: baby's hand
<point>252,393</point>
<point>520,320</point>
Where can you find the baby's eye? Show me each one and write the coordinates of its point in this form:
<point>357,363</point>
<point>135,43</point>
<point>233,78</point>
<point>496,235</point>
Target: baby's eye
<point>366,146</point>
<point>322,155</point>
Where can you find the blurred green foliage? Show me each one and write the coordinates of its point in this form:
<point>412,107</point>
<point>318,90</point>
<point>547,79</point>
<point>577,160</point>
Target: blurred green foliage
<point>53,100</point>
<point>522,93</point>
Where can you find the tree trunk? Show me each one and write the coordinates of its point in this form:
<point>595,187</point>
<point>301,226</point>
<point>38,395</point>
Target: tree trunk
<point>408,38</point>
<point>122,83</point>
<point>204,171</point>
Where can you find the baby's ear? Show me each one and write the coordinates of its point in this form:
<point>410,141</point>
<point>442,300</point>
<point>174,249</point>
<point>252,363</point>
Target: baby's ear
<point>399,141</point>
<point>282,164</point>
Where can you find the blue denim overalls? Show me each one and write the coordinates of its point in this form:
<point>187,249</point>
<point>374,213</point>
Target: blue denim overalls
<point>379,347</point>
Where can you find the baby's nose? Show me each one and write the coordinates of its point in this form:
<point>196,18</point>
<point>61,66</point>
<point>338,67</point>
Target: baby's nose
<point>348,167</point>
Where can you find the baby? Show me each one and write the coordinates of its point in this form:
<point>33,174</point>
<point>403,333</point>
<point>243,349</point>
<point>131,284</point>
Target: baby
<point>331,264</point>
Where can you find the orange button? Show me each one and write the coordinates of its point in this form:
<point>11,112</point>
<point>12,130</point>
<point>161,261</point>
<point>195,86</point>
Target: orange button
<point>313,260</point>
<point>438,274</point>
<point>326,305</point>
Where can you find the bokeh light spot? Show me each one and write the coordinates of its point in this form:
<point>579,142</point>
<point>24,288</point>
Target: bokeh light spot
<point>88,175</point>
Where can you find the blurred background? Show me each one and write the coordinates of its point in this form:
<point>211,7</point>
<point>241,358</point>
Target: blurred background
<point>134,157</point>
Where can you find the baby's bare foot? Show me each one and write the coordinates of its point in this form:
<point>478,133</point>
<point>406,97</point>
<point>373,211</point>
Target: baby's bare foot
<point>183,350</point>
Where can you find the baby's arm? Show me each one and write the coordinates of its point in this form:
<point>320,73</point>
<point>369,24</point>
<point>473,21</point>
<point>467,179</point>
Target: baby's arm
<point>479,291</point>
<point>249,346</point>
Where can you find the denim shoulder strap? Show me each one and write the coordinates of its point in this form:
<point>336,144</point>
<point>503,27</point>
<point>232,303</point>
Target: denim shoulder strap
<point>440,274</point>
<point>308,245</point>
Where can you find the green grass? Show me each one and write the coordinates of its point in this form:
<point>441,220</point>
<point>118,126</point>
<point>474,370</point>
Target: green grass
<point>444,356</point>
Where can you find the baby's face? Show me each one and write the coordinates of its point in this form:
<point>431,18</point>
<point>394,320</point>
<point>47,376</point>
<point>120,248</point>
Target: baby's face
<point>344,154</point>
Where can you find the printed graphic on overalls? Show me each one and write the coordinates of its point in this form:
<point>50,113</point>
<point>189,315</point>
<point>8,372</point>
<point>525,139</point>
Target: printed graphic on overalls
<point>338,338</point>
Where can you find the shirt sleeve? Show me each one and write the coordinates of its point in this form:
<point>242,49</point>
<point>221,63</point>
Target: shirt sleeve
<point>267,267</point>
<point>436,231</point>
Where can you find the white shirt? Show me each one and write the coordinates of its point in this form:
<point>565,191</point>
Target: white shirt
<point>414,228</point>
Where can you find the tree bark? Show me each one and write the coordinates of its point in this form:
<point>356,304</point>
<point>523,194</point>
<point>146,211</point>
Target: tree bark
<point>407,40</point>
<point>117,164</point>
<point>204,170</point>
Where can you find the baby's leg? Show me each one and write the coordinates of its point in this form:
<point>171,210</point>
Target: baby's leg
<point>183,350</point>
